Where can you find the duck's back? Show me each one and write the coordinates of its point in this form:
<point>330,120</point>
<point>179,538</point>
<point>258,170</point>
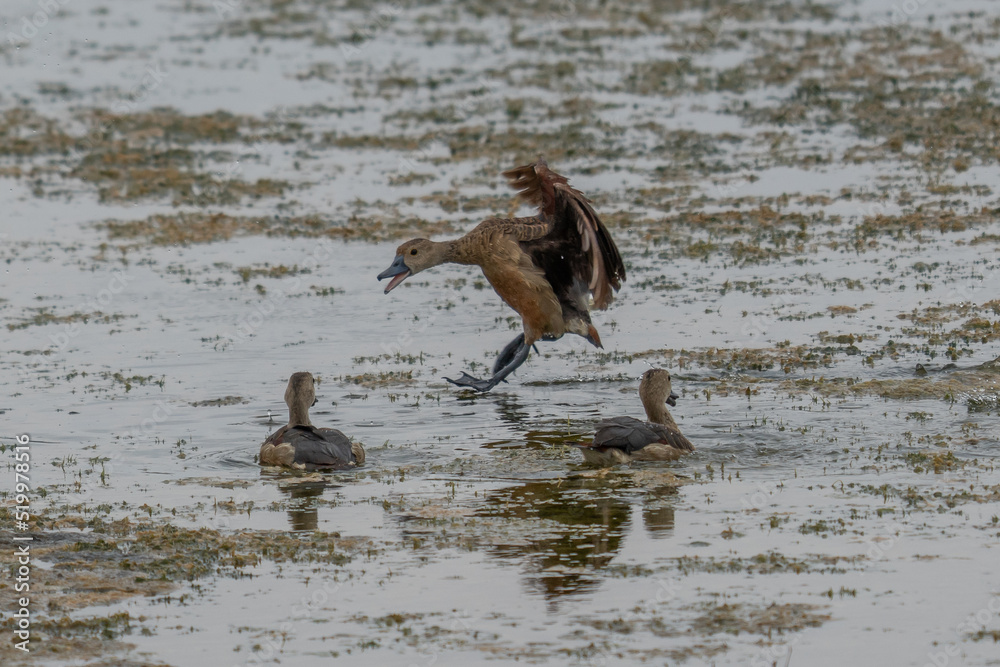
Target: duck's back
<point>632,435</point>
<point>305,446</point>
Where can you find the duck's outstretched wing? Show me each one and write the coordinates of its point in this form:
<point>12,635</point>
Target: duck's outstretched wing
<point>631,435</point>
<point>577,237</point>
<point>320,447</point>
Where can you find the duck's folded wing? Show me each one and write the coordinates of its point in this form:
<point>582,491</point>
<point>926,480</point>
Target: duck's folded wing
<point>631,435</point>
<point>573,220</point>
<point>275,438</point>
<point>319,447</point>
<point>674,438</point>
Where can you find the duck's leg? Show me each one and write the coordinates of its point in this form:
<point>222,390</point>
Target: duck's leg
<point>511,357</point>
<point>507,354</point>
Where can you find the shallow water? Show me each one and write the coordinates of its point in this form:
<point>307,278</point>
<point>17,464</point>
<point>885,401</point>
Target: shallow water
<point>828,321</point>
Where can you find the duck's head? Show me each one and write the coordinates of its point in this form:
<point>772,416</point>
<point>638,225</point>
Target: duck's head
<point>655,387</point>
<point>411,258</point>
<point>301,391</point>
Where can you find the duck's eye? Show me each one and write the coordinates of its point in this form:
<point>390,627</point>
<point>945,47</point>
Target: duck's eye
<point>413,252</point>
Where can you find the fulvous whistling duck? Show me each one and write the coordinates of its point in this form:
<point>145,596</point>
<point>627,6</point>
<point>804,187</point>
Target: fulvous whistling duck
<point>546,267</point>
<point>624,439</point>
<point>300,444</point>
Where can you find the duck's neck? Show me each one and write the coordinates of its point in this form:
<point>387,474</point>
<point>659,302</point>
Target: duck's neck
<point>462,251</point>
<point>298,415</point>
<point>656,412</point>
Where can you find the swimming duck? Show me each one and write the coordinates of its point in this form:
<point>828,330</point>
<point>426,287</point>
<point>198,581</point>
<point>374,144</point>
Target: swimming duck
<point>545,267</point>
<point>301,445</point>
<point>624,439</point>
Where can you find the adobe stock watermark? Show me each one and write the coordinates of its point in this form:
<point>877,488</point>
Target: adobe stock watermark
<point>753,502</point>
<point>21,619</point>
<point>455,624</point>
<point>224,7</point>
<point>117,283</point>
<point>900,13</point>
<point>267,650</point>
<point>161,412</point>
<point>964,293</point>
<point>465,109</point>
<point>374,22</point>
<point>123,106</point>
<point>971,624</point>
<point>234,168</point>
<point>872,209</point>
<point>667,589</point>
<point>559,11</point>
<point>400,345</point>
<point>768,656</point>
<point>732,186</point>
<point>262,311</point>
<point>709,31</point>
<point>760,325</point>
<point>29,25</point>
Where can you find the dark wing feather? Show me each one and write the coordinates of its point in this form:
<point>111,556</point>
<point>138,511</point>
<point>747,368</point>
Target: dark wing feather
<point>319,447</point>
<point>275,438</point>
<point>578,254</point>
<point>631,435</point>
<point>535,184</point>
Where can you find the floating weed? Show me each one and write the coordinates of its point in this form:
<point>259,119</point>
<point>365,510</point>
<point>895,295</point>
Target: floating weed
<point>199,227</point>
<point>45,316</point>
<point>380,379</point>
<point>246,273</point>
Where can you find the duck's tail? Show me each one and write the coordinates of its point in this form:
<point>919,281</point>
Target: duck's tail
<point>599,455</point>
<point>593,337</point>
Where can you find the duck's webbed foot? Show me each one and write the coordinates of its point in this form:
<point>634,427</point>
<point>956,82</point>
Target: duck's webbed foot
<point>511,357</point>
<point>466,380</point>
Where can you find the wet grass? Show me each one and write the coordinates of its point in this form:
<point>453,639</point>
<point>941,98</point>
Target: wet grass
<point>191,228</point>
<point>120,559</point>
<point>156,155</point>
<point>44,316</point>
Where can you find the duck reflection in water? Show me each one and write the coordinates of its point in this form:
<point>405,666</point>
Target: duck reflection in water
<point>658,510</point>
<point>304,495</point>
<point>582,524</point>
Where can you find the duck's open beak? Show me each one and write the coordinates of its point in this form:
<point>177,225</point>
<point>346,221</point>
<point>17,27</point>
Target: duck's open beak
<point>398,271</point>
<point>672,399</point>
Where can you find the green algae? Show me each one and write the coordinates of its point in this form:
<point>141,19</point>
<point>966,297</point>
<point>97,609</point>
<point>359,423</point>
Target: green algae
<point>44,316</point>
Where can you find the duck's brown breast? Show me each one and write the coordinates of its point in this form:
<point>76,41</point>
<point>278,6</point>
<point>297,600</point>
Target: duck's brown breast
<point>523,286</point>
